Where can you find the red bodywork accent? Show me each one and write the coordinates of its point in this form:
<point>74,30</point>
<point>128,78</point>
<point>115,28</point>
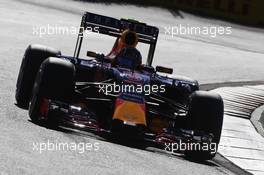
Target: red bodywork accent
<point>44,107</point>
<point>143,107</point>
<point>118,102</point>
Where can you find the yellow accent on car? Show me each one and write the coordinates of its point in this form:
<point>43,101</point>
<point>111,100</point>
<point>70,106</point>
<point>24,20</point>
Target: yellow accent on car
<point>158,123</point>
<point>130,112</point>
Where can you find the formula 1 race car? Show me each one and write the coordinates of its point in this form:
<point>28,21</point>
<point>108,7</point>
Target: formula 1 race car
<point>117,94</point>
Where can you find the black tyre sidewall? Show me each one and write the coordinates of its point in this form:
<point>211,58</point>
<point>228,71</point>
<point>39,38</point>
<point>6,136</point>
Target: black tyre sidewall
<point>55,81</point>
<point>33,57</point>
<point>206,114</point>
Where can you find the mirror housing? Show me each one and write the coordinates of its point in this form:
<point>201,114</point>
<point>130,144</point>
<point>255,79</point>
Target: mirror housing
<point>91,54</point>
<point>148,68</point>
<point>164,69</point>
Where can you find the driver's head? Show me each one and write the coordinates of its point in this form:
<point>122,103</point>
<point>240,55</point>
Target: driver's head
<point>129,38</point>
<point>128,55</point>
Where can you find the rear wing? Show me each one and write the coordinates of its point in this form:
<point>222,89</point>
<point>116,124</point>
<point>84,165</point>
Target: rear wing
<point>114,27</point>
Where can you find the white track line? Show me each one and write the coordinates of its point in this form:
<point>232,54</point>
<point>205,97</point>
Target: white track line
<point>240,142</point>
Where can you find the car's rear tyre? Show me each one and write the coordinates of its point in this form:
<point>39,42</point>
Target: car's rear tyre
<point>206,110</point>
<point>33,57</point>
<point>54,81</point>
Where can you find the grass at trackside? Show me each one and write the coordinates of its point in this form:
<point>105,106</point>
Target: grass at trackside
<point>157,3</point>
<point>167,4</point>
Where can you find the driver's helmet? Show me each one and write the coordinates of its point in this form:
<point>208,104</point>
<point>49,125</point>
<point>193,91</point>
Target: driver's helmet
<point>128,56</point>
<point>129,38</point>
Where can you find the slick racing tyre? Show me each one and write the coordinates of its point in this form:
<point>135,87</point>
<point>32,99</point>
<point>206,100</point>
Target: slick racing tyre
<point>206,110</point>
<point>33,57</point>
<point>54,81</point>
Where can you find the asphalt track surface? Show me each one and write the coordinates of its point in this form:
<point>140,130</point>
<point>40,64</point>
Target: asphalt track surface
<point>236,57</point>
